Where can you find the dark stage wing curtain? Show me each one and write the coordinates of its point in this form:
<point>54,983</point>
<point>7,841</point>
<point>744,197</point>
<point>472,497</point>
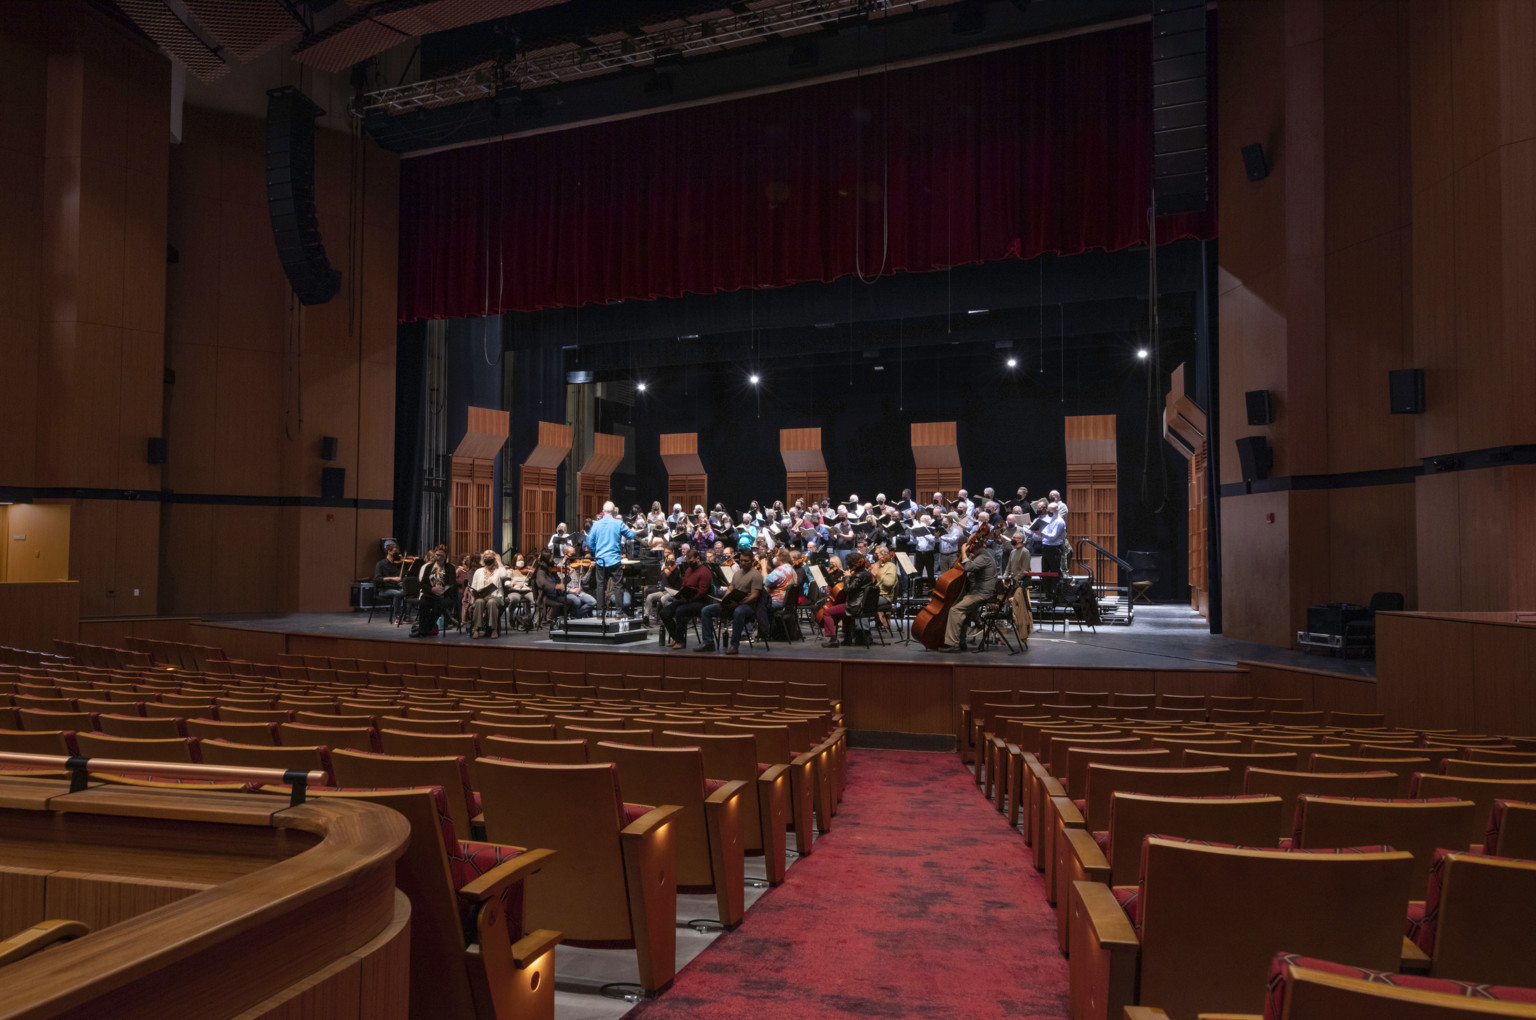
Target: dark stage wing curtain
<point>1038,149</point>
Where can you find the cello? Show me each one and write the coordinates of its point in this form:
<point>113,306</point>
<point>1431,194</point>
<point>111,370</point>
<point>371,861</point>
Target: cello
<point>929,624</point>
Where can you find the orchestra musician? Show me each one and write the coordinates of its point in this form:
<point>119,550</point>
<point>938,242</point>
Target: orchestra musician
<point>671,580</point>
<point>518,588</point>
<point>695,585</point>
<point>437,593</point>
<point>981,585</point>
<point>741,598</point>
<point>855,581</point>
<point>387,577</point>
<point>886,578</point>
<point>484,592</point>
<point>1053,539</point>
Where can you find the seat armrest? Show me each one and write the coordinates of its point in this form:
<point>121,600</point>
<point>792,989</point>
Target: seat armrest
<point>1414,960</point>
<point>726,793</point>
<point>492,882</point>
<point>1151,1013</point>
<point>1071,817</point>
<point>535,944</point>
<point>1110,925</point>
<point>1095,866</point>
<point>772,773</point>
<point>655,818</point>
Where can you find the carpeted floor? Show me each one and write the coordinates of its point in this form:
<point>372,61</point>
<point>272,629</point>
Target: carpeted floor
<point>921,902</point>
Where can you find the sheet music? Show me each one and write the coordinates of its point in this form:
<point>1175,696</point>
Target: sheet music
<point>905,563</point>
<point>729,570</point>
<point>816,575</point>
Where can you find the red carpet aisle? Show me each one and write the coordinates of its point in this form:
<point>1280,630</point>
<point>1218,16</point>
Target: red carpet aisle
<point>920,902</point>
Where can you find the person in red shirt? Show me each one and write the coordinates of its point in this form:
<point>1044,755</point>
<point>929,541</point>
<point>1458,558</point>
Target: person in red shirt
<point>697,586</point>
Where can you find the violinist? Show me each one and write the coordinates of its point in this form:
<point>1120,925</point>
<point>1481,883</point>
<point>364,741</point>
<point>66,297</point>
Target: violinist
<point>695,584</point>
<point>746,589</point>
<point>437,592</point>
<point>887,578</point>
<point>857,580</point>
<point>981,585</point>
<point>484,591</point>
<point>386,578</point>
<point>671,578</point>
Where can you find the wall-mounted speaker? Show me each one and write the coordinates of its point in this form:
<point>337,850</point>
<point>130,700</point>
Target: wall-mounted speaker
<point>1259,412</point>
<point>155,450</point>
<point>1255,457</point>
<point>1407,390</point>
<point>328,447</point>
<point>1255,162</point>
<point>333,482</point>
<point>291,195</point>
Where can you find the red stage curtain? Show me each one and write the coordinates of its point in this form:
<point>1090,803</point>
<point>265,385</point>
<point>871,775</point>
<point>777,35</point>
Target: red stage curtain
<point>1038,149</point>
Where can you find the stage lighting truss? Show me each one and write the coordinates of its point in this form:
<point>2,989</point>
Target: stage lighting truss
<point>655,48</point>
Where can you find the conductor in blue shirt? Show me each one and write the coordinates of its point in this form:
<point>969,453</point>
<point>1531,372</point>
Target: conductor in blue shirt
<point>605,539</point>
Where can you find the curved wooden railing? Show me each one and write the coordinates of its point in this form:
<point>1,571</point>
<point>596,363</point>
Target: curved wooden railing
<point>305,889</point>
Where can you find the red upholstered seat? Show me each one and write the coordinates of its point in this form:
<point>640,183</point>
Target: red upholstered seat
<point>1102,839</point>
<point>1129,898</point>
<point>468,860</point>
<point>1274,1004</point>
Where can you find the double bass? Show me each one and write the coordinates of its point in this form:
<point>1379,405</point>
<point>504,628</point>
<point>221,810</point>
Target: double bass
<point>933,619</point>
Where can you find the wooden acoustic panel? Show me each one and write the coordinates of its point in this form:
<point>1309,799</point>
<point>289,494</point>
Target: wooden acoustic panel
<point>471,509</point>
<point>805,469</point>
<point>687,481</point>
<point>536,486</point>
<point>936,458</point>
<point>1092,490</point>
<point>594,480</point>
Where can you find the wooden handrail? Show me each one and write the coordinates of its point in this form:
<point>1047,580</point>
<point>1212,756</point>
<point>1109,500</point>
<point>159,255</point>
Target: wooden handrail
<point>169,769</point>
<point>225,948</point>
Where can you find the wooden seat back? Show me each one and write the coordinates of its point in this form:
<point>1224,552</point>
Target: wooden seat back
<point>350,738</point>
<point>1417,826</point>
<point>1488,769</point>
<point>1229,716</point>
<point>1489,754</point>
<point>636,736</point>
<point>547,752</point>
<point>238,714</point>
<point>239,732</point>
<point>1355,720</point>
<point>361,769</point>
<point>60,719</point>
<point>673,775</point>
<point>37,741</point>
<point>1482,792</point>
<point>1295,742</point>
<point>1074,776</point>
<point>1289,785</point>
<point>1404,767</point>
<point>114,725</point>
<point>1194,743</point>
<point>1241,820</point>
<point>1512,830</point>
<point>1308,992</point>
<point>1212,918</point>
<point>147,749</point>
<point>1239,761</point>
<point>574,811</point>
<point>263,756</point>
<point>1062,746</point>
<point>1105,779</point>
<point>417,724</point>
<point>1484,931</point>
<point>406,742</point>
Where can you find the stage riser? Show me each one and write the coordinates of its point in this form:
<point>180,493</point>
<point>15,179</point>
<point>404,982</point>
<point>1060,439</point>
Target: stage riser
<point>891,697</point>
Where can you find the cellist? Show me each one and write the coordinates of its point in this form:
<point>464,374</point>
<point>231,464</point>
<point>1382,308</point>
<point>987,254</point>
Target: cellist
<point>981,585</point>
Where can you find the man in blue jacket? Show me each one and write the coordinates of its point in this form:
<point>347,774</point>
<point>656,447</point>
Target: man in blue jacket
<point>605,539</point>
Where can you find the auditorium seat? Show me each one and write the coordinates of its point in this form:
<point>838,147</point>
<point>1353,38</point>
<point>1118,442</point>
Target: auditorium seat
<point>352,738</point>
<point>1404,768</point>
<point>634,736</point>
<point>1355,720</point>
<point>1303,988</point>
<point>1197,933</point>
<point>765,799</point>
<point>1482,792</point>
<point>549,752</point>
<point>114,725</point>
<point>459,887</point>
<point>612,881</point>
<point>38,742</point>
<point>177,749</point>
<point>1476,919</point>
<point>774,747</point>
<point>366,770</point>
<point>1238,762</point>
<point>1488,769</point>
<point>49,719</point>
<point>1417,826</point>
<point>1511,830</point>
<point>419,724</point>
<point>707,832</point>
<point>1290,785</point>
<point>225,752</point>
<point>404,742</point>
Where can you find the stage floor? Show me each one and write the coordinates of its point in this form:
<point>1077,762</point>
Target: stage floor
<point>1160,636</point>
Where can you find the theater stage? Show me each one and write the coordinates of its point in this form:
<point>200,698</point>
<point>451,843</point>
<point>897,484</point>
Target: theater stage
<point>895,695</point>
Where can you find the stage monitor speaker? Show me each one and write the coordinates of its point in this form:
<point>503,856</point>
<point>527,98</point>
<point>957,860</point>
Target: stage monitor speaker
<point>1259,412</point>
<point>1255,457</point>
<point>155,453</point>
<point>328,446</point>
<point>1255,162</point>
<point>333,482</point>
<point>1407,387</point>
<point>290,176</point>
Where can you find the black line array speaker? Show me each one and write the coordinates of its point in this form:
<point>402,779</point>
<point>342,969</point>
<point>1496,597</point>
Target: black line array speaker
<point>1407,385</point>
<point>333,482</point>
<point>1255,163</point>
<point>291,195</point>
<point>1180,164</point>
<point>155,450</point>
<point>1259,412</point>
<point>1255,457</point>
<point>328,447</point>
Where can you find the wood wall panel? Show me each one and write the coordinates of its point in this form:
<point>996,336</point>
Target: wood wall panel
<point>1229,683</point>
<point>102,900</point>
<point>36,613</point>
<point>1372,543</point>
<point>897,697</point>
<point>114,630</point>
<point>1422,671</point>
<point>1503,698</point>
<point>22,899</point>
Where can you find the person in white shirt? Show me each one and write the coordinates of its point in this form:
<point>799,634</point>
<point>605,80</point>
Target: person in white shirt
<point>485,592</point>
<point>1054,540</point>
